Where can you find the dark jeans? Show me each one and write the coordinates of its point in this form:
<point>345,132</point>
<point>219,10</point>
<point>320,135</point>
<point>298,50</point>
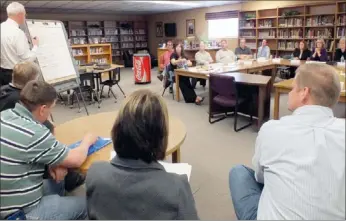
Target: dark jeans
<point>187,89</point>
<point>194,81</point>
<point>5,76</point>
<point>245,192</point>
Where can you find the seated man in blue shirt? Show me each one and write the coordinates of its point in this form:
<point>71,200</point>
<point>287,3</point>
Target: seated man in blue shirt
<point>264,50</point>
<point>9,95</point>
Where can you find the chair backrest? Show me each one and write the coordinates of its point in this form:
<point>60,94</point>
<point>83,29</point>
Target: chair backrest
<point>116,75</point>
<point>223,85</point>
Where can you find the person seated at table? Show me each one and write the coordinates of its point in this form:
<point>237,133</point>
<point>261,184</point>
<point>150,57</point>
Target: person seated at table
<point>134,185</point>
<point>224,55</point>
<point>27,147</point>
<point>319,53</point>
<point>178,60</point>
<point>341,51</point>
<point>202,57</point>
<point>302,53</point>
<point>164,59</point>
<point>9,96</point>
<point>299,160</point>
<point>243,52</point>
<point>264,50</point>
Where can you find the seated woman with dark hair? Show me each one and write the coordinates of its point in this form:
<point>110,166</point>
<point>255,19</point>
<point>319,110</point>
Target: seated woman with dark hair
<point>134,186</point>
<point>302,53</point>
<point>178,60</point>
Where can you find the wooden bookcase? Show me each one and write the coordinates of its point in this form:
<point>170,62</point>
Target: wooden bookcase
<point>123,36</point>
<point>86,53</point>
<point>284,27</point>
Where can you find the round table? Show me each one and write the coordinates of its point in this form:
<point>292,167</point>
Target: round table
<point>101,125</point>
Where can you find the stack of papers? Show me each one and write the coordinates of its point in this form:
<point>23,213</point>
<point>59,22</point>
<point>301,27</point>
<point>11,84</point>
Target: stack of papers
<point>178,168</point>
<point>321,62</point>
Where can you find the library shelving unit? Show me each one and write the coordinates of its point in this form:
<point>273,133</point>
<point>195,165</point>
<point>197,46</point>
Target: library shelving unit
<point>86,53</point>
<point>284,27</point>
<point>123,36</point>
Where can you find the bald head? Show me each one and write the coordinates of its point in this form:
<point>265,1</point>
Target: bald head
<point>323,82</point>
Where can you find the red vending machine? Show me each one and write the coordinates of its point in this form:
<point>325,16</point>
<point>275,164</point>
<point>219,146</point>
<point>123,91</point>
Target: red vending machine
<point>142,68</point>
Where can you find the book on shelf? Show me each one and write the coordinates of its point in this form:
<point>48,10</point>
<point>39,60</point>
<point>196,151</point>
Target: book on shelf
<point>248,33</point>
<point>340,32</point>
<point>319,33</point>
<point>341,20</point>
<point>291,22</point>
<point>291,33</point>
<point>267,34</point>
<point>265,23</point>
<point>247,24</point>
<point>320,20</point>
<point>288,45</point>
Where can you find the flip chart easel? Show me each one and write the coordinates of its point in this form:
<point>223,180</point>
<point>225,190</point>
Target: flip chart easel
<point>54,55</point>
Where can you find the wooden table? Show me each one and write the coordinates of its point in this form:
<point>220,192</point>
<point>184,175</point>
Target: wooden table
<point>196,72</point>
<point>101,124</point>
<point>285,87</point>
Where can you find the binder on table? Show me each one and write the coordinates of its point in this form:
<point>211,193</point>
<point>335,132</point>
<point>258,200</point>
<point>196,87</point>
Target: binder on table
<point>99,144</point>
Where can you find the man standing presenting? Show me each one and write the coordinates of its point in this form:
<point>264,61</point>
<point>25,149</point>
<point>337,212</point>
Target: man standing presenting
<point>14,44</point>
<point>243,52</point>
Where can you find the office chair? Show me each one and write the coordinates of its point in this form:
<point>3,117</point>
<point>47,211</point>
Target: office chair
<point>86,90</point>
<point>114,79</point>
<point>168,83</point>
<point>223,98</point>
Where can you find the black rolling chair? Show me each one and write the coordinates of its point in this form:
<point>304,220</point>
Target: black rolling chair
<point>114,79</point>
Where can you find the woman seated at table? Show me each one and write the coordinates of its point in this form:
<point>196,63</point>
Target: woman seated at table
<point>340,52</point>
<point>178,60</point>
<point>319,53</point>
<point>302,53</point>
<point>134,186</point>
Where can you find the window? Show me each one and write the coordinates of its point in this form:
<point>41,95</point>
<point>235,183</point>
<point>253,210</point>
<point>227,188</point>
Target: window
<point>223,28</point>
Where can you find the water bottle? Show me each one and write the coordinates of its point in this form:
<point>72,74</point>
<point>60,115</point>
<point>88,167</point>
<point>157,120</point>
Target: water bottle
<point>342,60</point>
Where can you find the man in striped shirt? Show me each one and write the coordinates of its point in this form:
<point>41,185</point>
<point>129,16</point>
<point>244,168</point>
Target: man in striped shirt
<point>26,148</point>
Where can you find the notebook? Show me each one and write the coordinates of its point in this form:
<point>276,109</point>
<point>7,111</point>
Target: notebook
<point>178,168</point>
<point>99,144</point>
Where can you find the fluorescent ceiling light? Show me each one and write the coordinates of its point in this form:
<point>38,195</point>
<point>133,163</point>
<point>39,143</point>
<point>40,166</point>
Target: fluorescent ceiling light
<point>169,2</point>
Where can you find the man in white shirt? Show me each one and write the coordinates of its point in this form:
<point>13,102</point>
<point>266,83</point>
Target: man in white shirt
<point>264,50</point>
<point>224,55</point>
<point>203,58</point>
<point>299,160</point>
<point>14,44</point>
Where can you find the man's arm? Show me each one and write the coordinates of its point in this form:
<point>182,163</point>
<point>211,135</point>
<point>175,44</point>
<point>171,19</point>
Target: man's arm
<point>259,171</point>
<point>267,52</point>
<point>217,57</point>
<point>23,50</point>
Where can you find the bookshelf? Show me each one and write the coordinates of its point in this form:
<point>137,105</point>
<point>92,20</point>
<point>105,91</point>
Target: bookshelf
<point>86,53</point>
<point>285,27</point>
<point>122,36</point>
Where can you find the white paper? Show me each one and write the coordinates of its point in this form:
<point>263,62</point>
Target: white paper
<point>341,64</point>
<point>295,61</point>
<point>53,53</point>
<point>276,60</point>
<point>311,62</point>
<point>178,168</point>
